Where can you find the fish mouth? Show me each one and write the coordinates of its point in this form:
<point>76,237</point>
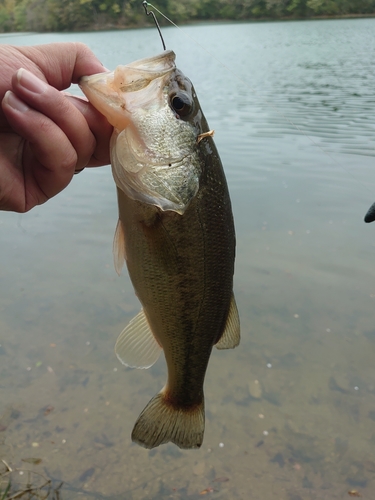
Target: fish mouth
<point>110,92</point>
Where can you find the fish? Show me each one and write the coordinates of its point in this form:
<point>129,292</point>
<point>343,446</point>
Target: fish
<point>176,234</point>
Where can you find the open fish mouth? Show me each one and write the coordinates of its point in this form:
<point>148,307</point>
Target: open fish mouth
<point>106,90</point>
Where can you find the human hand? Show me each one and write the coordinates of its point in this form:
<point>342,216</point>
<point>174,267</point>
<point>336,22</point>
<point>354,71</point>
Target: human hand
<point>46,135</point>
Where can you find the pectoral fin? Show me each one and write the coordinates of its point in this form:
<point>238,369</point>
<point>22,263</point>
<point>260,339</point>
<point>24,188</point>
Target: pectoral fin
<point>119,252</point>
<point>231,335</point>
<point>136,346</point>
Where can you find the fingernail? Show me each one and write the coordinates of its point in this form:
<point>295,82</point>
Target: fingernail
<point>31,82</point>
<point>15,103</point>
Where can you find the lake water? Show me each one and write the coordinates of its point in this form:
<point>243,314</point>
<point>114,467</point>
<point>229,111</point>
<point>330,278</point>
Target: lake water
<point>290,414</point>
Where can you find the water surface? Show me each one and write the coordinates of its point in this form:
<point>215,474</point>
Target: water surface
<point>291,413</point>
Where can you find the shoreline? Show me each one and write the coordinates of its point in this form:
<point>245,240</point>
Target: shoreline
<point>196,22</point>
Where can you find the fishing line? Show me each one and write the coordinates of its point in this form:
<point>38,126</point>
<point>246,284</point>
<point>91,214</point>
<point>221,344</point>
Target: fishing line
<point>265,100</point>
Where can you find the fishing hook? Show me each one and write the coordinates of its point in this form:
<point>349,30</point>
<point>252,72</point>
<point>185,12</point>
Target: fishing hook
<point>148,12</point>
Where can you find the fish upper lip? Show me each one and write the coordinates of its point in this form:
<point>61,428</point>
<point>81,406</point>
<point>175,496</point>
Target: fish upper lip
<point>168,56</point>
<point>87,77</point>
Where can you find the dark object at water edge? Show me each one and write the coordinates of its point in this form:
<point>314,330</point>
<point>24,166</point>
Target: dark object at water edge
<point>370,216</point>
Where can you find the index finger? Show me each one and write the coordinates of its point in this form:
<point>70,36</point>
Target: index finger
<point>99,126</point>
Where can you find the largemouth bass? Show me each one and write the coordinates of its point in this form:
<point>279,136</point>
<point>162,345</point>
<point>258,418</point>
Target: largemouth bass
<point>176,234</point>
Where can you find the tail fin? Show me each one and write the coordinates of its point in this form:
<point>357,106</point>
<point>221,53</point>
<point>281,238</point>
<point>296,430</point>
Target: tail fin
<point>161,422</point>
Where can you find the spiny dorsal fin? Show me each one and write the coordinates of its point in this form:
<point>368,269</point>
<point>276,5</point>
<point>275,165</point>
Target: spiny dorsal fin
<point>231,334</point>
<point>136,346</point>
<point>119,252</point>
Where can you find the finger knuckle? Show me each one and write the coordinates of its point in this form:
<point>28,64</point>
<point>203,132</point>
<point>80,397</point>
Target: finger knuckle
<point>69,160</point>
<point>62,106</point>
<point>82,50</point>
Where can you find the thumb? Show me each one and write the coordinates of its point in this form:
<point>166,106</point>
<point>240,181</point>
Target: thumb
<point>63,63</point>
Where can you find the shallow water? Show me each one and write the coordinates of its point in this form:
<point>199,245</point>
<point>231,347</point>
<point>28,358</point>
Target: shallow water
<point>291,413</point>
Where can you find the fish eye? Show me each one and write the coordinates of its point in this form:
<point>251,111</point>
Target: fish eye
<point>181,104</point>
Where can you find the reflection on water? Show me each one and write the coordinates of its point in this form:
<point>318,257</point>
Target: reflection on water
<point>290,414</point>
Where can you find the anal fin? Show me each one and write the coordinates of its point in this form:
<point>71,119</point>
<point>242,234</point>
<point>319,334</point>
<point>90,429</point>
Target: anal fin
<point>231,335</point>
<point>136,346</point>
